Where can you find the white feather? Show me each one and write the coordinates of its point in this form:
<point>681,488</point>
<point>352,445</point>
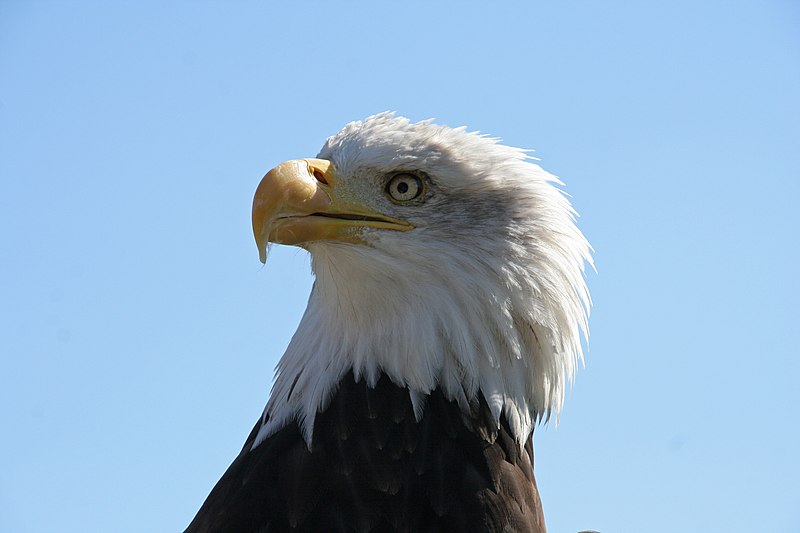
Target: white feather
<point>486,295</point>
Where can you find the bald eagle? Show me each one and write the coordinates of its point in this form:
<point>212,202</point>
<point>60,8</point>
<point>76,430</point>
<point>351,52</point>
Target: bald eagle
<point>445,321</point>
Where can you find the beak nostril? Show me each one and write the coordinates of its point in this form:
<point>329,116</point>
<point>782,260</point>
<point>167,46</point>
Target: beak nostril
<point>320,177</point>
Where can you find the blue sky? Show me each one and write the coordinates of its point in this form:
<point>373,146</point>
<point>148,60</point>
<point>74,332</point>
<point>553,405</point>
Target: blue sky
<point>139,332</point>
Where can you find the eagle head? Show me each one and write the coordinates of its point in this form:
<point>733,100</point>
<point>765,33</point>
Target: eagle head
<point>442,259</point>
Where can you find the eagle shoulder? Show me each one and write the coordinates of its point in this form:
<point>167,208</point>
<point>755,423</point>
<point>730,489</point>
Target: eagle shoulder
<point>373,467</point>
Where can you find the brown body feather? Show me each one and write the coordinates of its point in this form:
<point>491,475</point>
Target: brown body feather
<point>373,467</point>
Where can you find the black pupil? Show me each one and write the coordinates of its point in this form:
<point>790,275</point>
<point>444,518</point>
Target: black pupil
<point>402,187</point>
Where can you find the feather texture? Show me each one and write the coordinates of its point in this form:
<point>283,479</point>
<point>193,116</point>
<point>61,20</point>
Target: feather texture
<point>374,467</point>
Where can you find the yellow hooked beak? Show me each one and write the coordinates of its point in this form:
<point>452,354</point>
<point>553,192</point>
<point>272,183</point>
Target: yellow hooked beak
<point>296,203</point>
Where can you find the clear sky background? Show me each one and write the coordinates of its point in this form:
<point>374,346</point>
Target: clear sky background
<point>139,332</point>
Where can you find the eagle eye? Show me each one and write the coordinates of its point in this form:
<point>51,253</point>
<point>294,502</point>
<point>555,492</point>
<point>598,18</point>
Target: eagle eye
<point>404,187</point>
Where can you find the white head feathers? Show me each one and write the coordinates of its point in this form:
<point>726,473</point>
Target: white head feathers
<point>486,294</point>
